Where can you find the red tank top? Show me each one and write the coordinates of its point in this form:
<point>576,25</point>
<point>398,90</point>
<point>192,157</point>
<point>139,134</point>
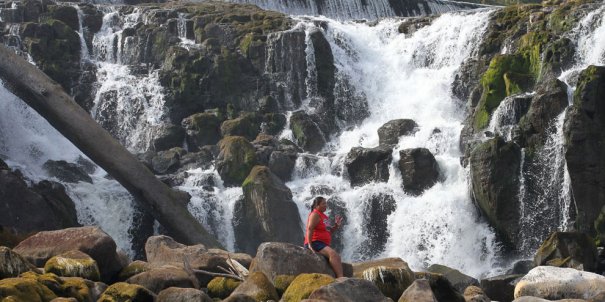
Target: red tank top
<point>320,233</point>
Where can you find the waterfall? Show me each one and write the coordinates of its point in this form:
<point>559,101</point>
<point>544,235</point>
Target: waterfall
<point>360,9</point>
<point>404,77</point>
<point>129,103</point>
<point>27,141</point>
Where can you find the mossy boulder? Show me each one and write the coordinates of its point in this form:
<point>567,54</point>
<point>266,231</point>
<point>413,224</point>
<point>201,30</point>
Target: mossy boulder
<point>235,161</point>
<point>257,286</point>
<point>177,294</point>
<point>495,168</point>
<point>202,129</point>
<point>281,283</point>
<point>391,281</point>
<point>304,284</point>
<point>12,264</point>
<point>159,278</point>
<point>24,289</point>
<point>64,13</point>
<point>221,287</point>
<point>122,291</point>
<point>584,141</point>
<point>265,213</point>
<point>568,249</point>
<point>73,264</point>
<point>349,289</point>
<point>307,132</point>
<point>247,125</point>
<point>78,288</point>
<point>134,268</point>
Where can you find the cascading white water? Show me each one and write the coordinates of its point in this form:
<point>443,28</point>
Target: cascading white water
<point>28,141</point>
<point>130,105</point>
<point>405,77</point>
<point>360,9</point>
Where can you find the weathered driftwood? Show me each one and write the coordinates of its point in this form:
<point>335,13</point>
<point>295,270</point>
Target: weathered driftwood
<point>49,99</point>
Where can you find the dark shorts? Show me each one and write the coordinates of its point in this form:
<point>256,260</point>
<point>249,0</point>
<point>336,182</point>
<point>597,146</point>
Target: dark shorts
<point>317,245</point>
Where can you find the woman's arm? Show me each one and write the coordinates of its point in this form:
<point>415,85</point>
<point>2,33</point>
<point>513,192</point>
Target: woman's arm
<point>313,221</point>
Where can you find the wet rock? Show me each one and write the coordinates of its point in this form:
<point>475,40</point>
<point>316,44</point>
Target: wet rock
<point>555,283</point>
<point>65,171</point>
<point>167,161</point>
<point>411,25</point>
<point>305,284</point>
<point>221,287</point>
<point>73,264</point>
<point>391,281</point>
<point>366,165</point>
<point>307,133</point>
<point>202,129</point>
<point>584,134</point>
<point>159,278</point>
<point>134,268</point>
<point>521,267</point>
<point>419,170</point>
<point>247,125</point>
<point>495,167</point>
<point>169,136</point>
<point>568,249</point>
<point>268,104</point>
<point>177,294</point>
<point>349,290</point>
<point>266,213</point>
<point>90,240</point>
<point>360,267</point>
<point>12,264</point>
<point>202,159</point>
<point>257,286</point>
<point>24,210</point>
<point>273,123</point>
<point>419,291</point>
<point>459,280</point>
<point>376,214</point>
<point>122,291</point>
<point>389,133</point>
<point>235,160</point>
<point>550,100</point>
<point>500,288</point>
<point>287,79</point>
<point>441,287</point>
<point>277,258</point>
<point>66,14</point>
<point>282,164</point>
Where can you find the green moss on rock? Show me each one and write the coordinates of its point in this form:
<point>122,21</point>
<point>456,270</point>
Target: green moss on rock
<point>24,290</point>
<point>122,292</point>
<point>303,285</point>
<point>73,264</point>
<point>221,287</point>
<point>259,287</point>
<point>236,159</point>
<point>134,268</point>
<point>282,282</point>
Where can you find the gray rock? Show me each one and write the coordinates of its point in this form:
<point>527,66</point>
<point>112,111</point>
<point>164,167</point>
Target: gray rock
<point>65,171</point>
<point>366,165</point>
<point>459,280</point>
<point>553,283</point>
<point>167,161</point>
<point>159,278</point>
<point>177,294</point>
<point>495,167</point>
<point>349,289</point>
<point>258,286</point>
<point>306,131</point>
<point>391,281</point>
<point>419,170</point>
<point>202,129</point>
<point>235,160</point>
<point>375,224</point>
<point>282,164</point>
<point>12,264</point>
<point>169,136</point>
<point>419,291</point>
<point>389,133</point>
<point>500,288</point>
<point>266,213</point>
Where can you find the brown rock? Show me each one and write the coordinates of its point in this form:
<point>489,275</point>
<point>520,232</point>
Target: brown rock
<point>163,277</point>
<point>177,294</point>
<point>349,289</point>
<point>257,286</point>
<point>419,291</point>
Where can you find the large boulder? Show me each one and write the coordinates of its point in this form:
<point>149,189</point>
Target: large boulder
<point>160,278</point>
<point>257,286</point>
<point>304,285</point>
<point>389,133</point>
<point>391,281</point>
<point>177,294</point>
<point>495,168</point>
<point>25,209</point>
<point>67,172</point>
<point>247,125</point>
<point>73,264</point>
<point>568,249</point>
<point>222,287</point>
<point>306,131</point>
<point>584,138</point>
<point>366,165</point>
<point>459,280</point>
<point>360,267</point>
<point>277,258</point>
<point>419,291</point>
<point>419,170</point>
<point>550,100</point>
<point>501,288</point>
<point>122,291</point>
<point>24,289</point>
<point>554,283</point>
<point>349,289</point>
<point>375,223</point>
<point>282,164</point>
<point>12,264</point>
<point>202,129</point>
<point>266,212</point>
<point>90,240</point>
<point>475,294</point>
<point>441,287</point>
<point>235,160</point>
<point>168,136</point>
<point>167,161</point>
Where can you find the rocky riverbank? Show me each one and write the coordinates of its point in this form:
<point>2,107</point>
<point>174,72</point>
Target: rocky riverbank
<point>82,264</point>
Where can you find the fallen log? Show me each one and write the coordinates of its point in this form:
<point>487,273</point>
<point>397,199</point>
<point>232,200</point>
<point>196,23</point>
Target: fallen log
<point>49,99</point>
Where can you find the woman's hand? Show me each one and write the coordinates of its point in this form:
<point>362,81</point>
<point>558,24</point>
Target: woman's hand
<point>311,248</point>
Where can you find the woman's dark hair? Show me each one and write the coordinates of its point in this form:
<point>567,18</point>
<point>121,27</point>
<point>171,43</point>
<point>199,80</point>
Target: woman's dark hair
<point>316,202</point>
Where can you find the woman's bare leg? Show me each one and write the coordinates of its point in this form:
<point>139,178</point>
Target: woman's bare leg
<point>334,259</point>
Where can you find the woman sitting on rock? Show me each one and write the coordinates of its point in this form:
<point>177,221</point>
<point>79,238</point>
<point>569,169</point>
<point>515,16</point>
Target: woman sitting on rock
<point>319,234</point>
